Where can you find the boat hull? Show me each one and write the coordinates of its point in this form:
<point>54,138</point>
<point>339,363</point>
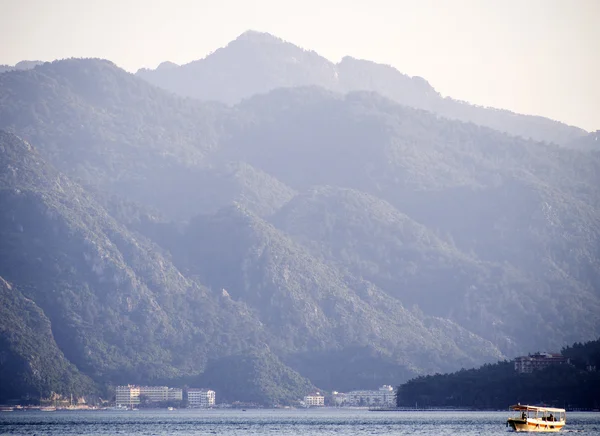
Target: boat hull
<point>534,425</point>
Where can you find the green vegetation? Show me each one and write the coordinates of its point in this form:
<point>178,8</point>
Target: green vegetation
<point>349,369</point>
<point>32,365</point>
<point>306,304</point>
<point>496,386</point>
<point>104,127</point>
<point>381,244</point>
<point>161,238</point>
<point>501,220</point>
<point>254,377</point>
<point>119,310</point>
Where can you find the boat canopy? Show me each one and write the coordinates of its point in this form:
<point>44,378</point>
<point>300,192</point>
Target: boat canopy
<point>525,407</point>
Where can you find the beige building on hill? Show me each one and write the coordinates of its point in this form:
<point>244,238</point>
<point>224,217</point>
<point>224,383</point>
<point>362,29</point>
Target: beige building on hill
<point>533,362</point>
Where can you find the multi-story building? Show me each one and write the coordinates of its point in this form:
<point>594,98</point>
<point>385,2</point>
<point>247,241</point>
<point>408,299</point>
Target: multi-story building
<point>203,398</point>
<point>175,394</point>
<point>154,394</point>
<point>131,395</point>
<point>533,362</point>
<point>383,397</point>
<point>127,395</point>
<point>315,399</point>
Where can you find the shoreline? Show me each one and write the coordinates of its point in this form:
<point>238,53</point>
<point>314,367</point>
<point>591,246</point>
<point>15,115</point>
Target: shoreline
<point>326,408</point>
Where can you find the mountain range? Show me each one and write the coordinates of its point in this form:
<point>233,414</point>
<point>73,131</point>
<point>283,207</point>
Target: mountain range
<point>258,62</point>
<point>280,230</point>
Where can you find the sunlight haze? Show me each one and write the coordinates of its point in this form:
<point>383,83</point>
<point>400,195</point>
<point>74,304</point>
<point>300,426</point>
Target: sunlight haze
<point>534,57</point>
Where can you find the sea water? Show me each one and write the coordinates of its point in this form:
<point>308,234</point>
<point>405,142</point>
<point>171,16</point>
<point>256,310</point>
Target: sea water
<point>323,422</point>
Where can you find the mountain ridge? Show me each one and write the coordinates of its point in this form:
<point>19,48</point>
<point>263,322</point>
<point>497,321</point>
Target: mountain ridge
<point>343,234</point>
<point>96,282</point>
<point>258,62</point>
<point>112,279</point>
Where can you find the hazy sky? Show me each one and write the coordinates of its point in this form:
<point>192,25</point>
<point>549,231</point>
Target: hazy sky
<point>531,56</point>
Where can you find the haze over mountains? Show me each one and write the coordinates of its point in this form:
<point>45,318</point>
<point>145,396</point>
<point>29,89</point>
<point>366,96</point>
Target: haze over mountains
<point>23,65</point>
<point>317,226</point>
<point>258,62</point>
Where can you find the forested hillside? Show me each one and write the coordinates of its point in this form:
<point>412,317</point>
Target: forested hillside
<point>495,386</point>
<point>32,363</point>
<point>310,238</point>
<point>507,216</point>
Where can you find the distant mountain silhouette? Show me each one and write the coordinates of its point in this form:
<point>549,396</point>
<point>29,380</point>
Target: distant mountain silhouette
<point>23,65</point>
<point>257,62</point>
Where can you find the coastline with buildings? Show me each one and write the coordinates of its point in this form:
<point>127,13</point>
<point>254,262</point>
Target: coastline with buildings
<point>455,395</point>
<point>568,380</point>
<point>132,396</point>
<point>385,397</point>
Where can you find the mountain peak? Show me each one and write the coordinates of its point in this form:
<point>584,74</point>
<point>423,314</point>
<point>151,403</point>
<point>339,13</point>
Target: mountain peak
<point>258,62</point>
<point>21,66</point>
<point>258,37</point>
<point>27,65</point>
<point>167,65</point>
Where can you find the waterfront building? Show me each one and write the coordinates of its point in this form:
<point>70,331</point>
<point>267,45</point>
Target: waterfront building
<point>175,394</point>
<point>203,398</point>
<point>314,400</point>
<point>154,394</point>
<point>131,395</point>
<point>382,397</point>
<point>128,396</point>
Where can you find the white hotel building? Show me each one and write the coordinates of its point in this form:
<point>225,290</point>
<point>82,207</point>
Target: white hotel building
<point>314,400</point>
<point>203,398</point>
<point>383,397</point>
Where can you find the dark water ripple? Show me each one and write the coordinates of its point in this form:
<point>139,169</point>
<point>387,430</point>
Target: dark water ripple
<point>270,422</point>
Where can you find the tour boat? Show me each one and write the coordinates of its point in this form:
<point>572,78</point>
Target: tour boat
<point>534,418</point>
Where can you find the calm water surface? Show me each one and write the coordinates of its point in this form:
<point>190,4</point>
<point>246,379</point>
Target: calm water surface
<point>325,422</point>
